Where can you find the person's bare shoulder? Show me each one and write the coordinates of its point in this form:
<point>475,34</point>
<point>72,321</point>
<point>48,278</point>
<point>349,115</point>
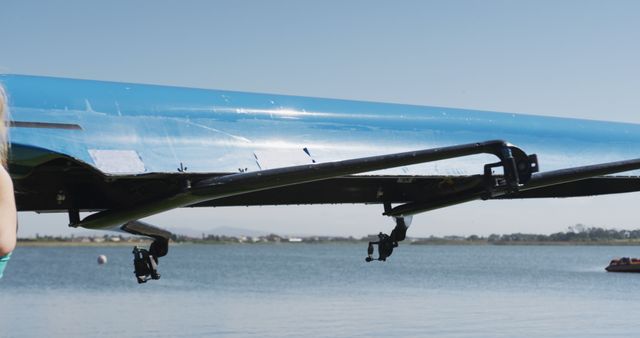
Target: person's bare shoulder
<point>5,181</point>
<point>7,214</point>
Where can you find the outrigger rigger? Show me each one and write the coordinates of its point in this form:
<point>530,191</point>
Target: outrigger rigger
<point>624,264</point>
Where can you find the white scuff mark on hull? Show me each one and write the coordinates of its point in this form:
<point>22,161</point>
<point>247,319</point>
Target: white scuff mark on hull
<point>117,161</point>
<point>118,108</point>
<point>88,106</point>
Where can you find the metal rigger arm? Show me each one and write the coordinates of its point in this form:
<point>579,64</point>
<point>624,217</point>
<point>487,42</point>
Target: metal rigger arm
<point>517,167</point>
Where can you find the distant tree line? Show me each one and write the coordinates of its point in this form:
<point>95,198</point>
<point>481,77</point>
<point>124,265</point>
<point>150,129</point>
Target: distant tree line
<point>578,233</point>
<point>574,234</point>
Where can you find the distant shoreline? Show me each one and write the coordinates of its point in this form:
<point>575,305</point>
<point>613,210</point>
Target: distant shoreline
<point>417,243</point>
<point>77,244</point>
<point>578,235</point>
<point>532,243</point>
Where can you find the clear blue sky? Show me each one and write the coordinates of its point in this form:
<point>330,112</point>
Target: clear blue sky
<point>561,58</point>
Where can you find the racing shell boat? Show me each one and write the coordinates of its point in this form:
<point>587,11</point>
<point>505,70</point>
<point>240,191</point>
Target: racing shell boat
<point>624,264</point>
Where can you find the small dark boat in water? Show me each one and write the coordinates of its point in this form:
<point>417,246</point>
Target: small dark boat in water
<point>624,264</point>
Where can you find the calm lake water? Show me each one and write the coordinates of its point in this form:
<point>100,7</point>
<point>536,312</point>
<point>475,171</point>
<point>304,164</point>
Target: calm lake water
<point>323,290</point>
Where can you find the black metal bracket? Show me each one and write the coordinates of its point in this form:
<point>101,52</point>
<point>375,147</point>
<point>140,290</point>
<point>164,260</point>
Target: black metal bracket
<point>517,171</point>
<point>145,265</point>
<point>145,262</point>
<point>385,248</point>
<point>386,243</point>
<point>74,217</point>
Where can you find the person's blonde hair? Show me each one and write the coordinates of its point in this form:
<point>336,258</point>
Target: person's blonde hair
<point>4,112</point>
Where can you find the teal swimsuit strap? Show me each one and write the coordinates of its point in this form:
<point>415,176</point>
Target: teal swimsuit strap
<point>3,263</point>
